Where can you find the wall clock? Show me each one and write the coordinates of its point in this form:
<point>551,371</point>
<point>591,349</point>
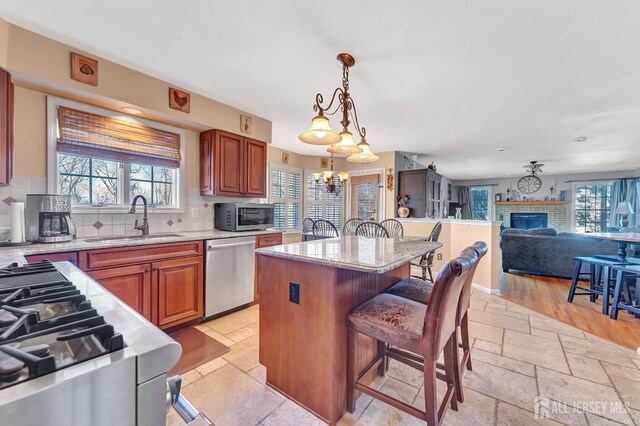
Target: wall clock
<point>529,184</point>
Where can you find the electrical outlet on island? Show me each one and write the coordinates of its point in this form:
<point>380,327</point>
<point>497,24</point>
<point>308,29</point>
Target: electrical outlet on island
<point>439,256</point>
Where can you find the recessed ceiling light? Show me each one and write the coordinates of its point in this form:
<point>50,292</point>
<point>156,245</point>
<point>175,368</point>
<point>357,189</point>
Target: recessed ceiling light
<point>132,111</point>
<point>500,149</point>
<point>582,139</point>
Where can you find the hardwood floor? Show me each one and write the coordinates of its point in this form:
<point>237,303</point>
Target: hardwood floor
<point>548,296</point>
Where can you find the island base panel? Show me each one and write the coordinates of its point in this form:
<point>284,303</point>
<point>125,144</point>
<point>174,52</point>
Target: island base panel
<point>304,346</point>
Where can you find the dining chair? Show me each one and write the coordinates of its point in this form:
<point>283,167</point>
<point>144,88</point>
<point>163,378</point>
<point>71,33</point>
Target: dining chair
<point>324,228</point>
<point>420,291</point>
<point>426,261</point>
<point>307,225</point>
<point>371,230</point>
<point>394,227</point>
<point>417,334</point>
<point>350,226</point>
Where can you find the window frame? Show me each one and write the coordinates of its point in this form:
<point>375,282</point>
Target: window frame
<point>53,172</point>
<point>286,200</point>
<point>573,195</point>
<point>489,201</point>
<point>382,208</point>
<point>324,202</point>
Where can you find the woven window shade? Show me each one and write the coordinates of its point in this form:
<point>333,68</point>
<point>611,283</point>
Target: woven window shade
<point>91,135</point>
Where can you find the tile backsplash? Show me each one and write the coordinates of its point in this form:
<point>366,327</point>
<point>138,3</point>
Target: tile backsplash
<point>106,224</point>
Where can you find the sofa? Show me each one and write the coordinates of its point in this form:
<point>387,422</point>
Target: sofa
<point>546,252</point>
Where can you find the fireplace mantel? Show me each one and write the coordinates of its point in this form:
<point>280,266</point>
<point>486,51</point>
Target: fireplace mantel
<point>532,203</point>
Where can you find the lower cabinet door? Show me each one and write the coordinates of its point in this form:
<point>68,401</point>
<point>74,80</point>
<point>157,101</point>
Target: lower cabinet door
<point>178,287</point>
<point>131,284</point>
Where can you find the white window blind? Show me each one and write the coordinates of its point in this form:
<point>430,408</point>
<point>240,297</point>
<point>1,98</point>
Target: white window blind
<point>286,196</point>
<point>320,205</point>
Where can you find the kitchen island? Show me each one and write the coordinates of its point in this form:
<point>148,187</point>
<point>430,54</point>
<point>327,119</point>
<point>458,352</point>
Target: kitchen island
<point>307,290</point>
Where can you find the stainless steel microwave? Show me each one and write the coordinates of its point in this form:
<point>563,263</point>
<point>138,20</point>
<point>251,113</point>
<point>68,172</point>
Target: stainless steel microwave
<point>242,216</point>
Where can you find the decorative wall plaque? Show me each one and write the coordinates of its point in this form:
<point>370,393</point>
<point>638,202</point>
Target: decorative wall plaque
<point>84,69</point>
<point>324,163</point>
<point>179,100</point>
<point>285,158</point>
<point>245,123</point>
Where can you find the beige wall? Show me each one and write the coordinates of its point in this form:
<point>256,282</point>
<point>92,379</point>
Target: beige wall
<point>455,237</point>
<point>45,64</point>
<point>4,42</point>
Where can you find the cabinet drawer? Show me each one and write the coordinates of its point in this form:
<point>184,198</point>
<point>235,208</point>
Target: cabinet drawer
<point>106,258</point>
<point>268,240</point>
<point>71,256</point>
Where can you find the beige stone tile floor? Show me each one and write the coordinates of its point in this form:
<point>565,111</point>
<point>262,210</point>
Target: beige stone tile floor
<point>518,356</point>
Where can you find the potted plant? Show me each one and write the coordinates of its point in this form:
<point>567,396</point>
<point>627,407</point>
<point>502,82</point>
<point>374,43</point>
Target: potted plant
<point>403,210</point>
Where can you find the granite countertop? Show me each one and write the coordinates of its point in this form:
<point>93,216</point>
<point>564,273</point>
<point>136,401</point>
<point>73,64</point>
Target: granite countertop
<point>451,221</point>
<point>376,255</point>
<point>16,254</point>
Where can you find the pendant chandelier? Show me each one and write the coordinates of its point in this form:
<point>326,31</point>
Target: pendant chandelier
<point>331,181</point>
<point>321,133</point>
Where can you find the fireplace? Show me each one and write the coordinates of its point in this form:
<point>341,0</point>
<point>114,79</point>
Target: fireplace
<point>529,220</point>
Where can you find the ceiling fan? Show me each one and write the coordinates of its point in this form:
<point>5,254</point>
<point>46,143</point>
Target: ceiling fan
<point>533,168</point>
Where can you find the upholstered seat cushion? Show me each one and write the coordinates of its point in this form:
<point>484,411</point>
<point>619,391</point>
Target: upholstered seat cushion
<point>413,289</point>
<point>390,319</point>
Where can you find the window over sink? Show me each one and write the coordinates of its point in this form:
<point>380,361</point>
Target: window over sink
<point>102,158</point>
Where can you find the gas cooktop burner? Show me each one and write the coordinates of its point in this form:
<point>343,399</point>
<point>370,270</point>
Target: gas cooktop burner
<point>46,324</point>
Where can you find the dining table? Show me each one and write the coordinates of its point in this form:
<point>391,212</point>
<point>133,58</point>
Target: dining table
<point>622,238</point>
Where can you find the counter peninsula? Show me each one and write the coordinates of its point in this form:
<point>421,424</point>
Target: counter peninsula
<point>306,291</point>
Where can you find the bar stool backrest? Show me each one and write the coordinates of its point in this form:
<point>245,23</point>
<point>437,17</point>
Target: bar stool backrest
<point>394,228</point>
<point>371,230</point>
<point>324,228</point>
<point>480,248</point>
<point>440,321</point>
<point>350,226</point>
<point>307,225</point>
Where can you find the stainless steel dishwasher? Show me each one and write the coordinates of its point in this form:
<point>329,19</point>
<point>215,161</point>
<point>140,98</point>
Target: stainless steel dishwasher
<point>230,274</point>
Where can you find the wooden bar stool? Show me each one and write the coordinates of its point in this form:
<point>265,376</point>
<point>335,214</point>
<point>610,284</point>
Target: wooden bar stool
<point>623,274</point>
<point>600,279</point>
<point>420,291</point>
<point>418,333</point>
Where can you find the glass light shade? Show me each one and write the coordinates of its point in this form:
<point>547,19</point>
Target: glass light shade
<point>317,176</point>
<point>343,176</point>
<point>320,132</point>
<point>366,156</point>
<point>346,145</point>
<point>327,174</point>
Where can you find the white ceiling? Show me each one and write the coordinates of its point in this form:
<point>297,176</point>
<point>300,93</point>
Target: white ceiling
<point>450,80</point>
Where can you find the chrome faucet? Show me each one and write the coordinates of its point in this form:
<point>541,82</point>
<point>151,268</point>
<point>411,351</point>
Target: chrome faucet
<point>145,221</point>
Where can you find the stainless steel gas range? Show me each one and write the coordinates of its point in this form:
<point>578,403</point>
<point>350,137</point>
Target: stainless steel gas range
<point>73,354</point>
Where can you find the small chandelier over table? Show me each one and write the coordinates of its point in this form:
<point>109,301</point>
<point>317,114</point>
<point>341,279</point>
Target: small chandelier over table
<point>333,182</point>
<point>321,133</point>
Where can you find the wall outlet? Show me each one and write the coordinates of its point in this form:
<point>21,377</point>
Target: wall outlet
<point>194,212</point>
<point>439,257</point>
<point>294,293</point>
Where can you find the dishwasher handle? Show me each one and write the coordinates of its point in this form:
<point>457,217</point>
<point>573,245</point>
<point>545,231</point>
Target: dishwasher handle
<point>216,247</point>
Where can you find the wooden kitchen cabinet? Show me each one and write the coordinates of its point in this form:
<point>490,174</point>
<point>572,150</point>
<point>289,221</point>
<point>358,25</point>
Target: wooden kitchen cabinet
<point>232,165</point>
<point>263,241</point>
<point>163,282</point>
<point>6,128</point>
<point>178,290</point>
<point>131,284</point>
<point>54,257</point>
<point>424,188</point>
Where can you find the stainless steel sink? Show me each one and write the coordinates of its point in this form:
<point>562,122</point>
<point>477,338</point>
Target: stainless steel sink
<point>132,237</point>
